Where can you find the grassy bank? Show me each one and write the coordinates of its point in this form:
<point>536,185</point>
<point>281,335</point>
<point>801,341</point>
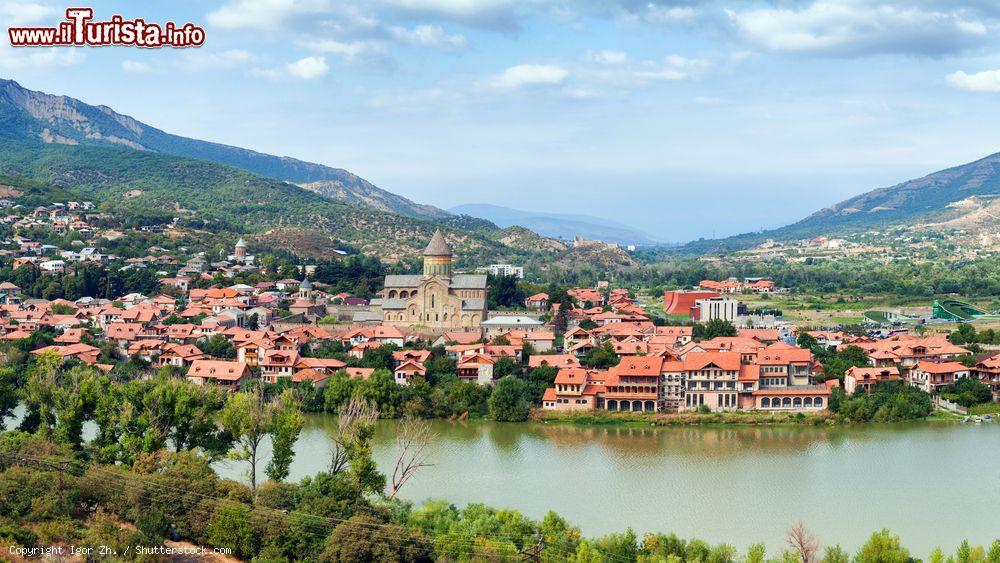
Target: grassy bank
<point>743,418</point>
<point>988,408</point>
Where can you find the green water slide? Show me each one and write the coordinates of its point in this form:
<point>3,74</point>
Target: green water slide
<point>956,310</point>
<point>878,317</point>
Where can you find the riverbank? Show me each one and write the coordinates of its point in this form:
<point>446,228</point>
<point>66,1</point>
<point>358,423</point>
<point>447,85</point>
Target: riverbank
<point>741,418</point>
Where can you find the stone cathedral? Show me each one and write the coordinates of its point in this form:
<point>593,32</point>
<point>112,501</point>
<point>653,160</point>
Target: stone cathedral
<point>436,299</point>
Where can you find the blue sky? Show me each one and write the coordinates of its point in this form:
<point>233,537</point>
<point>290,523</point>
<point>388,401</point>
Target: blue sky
<point>686,119</point>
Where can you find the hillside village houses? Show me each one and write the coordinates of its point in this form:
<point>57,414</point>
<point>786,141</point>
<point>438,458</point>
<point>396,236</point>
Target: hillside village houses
<point>274,329</point>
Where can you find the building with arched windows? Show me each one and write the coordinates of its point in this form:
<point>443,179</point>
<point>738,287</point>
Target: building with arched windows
<point>437,298</point>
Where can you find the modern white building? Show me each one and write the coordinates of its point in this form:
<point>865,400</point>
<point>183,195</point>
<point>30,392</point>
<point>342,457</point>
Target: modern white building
<point>502,324</point>
<point>725,308</point>
<point>503,270</point>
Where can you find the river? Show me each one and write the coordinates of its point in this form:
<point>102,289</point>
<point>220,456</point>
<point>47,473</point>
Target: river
<point>933,483</point>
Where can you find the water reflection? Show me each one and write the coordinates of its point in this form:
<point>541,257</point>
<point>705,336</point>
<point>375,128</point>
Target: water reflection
<point>736,484</point>
<point>708,442</point>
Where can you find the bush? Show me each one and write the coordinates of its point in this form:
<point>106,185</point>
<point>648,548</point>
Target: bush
<point>231,527</point>
<point>17,535</point>
<point>364,538</point>
<point>509,401</point>
<point>890,402</point>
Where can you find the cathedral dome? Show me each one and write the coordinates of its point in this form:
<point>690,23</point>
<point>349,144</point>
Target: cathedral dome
<point>438,246</point>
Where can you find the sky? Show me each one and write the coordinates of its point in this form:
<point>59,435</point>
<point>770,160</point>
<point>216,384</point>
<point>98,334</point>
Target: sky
<point>682,118</point>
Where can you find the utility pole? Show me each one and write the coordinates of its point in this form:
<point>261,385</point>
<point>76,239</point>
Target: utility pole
<point>533,552</point>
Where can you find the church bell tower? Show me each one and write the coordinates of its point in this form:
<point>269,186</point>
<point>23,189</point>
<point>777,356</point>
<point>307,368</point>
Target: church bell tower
<point>438,257</point>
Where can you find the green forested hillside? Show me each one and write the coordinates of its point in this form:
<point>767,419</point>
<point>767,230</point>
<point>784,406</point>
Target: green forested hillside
<point>31,193</point>
<point>36,116</point>
<point>926,199</point>
<point>223,198</point>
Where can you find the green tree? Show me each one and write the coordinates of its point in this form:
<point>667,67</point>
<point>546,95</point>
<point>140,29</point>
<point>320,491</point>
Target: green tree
<point>560,321</point>
<point>232,527</point>
<point>285,425</point>
<point>217,346</point>
<point>756,553</point>
<point>73,399</point>
<point>379,358</point>
<point>882,547</point>
<point>247,418</point>
<point>364,538</point>
<point>618,547</point>
<point>192,411</point>
<point>505,366</point>
<point>713,328</point>
<point>837,363</point>
<point>601,357</point>
<point>540,379</point>
<point>504,292</point>
<point>509,400</point>
<point>8,394</point>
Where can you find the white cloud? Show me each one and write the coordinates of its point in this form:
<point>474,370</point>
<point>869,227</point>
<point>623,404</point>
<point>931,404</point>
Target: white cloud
<point>27,58</point>
<point>674,67</point>
<point>857,27</point>
<point>985,81</point>
<point>581,93</point>
<point>349,50</point>
<point>308,68</point>
<point>428,36</point>
<point>669,14</point>
<point>197,60</point>
<point>455,8</point>
<point>530,75</point>
<point>656,14</point>
<point>14,12</point>
<point>266,14</point>
<point>606,57</point>
<point>497,14</point>
<point>135,67</point>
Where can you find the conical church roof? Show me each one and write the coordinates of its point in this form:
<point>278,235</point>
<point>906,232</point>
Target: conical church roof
<point>438,246</point>
<point>241,243</point>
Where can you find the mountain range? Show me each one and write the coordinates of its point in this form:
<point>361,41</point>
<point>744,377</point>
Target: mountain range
<point>29,114</point>
<point>142,175</point>
<point>557,225</point>
<point>305,207</point>
<point>959,197</point>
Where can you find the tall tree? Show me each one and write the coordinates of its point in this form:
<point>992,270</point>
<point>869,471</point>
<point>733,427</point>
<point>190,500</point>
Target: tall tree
<point>412,439</point>
<point>246,417</point>
<point>509,402</point>
<point>8,394</point>
<point>192,411</point>
<point>352,444</point>
<point>285,425</point>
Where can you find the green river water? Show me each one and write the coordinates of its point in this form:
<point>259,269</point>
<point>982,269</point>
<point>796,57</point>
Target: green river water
<point>933,483</point>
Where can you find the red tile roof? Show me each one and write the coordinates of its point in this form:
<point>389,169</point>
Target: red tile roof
<point>218,369</point>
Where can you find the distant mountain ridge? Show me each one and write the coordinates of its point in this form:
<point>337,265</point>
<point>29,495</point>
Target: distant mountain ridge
<point>557,225</point>
<point>939,197</point>
<point>31,115</point>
